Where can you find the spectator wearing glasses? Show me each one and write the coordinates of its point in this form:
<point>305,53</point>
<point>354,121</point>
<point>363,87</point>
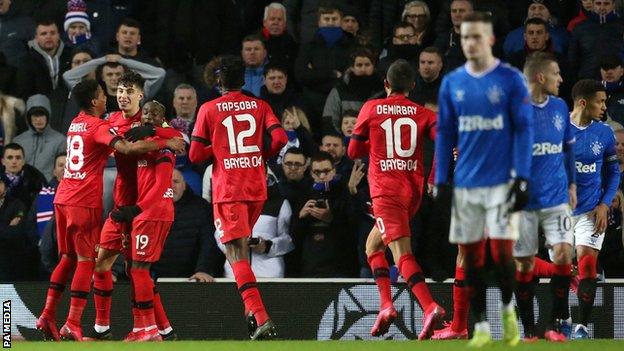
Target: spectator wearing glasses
<point>418,15</point>
<point>323,229</point>
<point>402,46</point>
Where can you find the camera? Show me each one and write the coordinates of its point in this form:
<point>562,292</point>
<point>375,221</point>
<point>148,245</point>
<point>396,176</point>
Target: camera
<point>320,203</point>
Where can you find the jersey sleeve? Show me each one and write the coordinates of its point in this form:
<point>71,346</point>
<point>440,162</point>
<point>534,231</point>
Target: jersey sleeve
<point>522,116</point>
<point>568,146</point>
<point>167,133</point>
<point>201,132</point>
<point>431,124</point>
<point>358,144</point>
<point>103,135</point>
<point>270,120</point>
<point>446,137</point>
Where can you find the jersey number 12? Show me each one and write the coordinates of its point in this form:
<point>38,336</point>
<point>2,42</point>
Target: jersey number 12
<point>237,141</point>
<point>393,137</point>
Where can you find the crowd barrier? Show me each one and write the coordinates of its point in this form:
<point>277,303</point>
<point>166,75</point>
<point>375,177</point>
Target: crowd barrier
<point>301,308</point>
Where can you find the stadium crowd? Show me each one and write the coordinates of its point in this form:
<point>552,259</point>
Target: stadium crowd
<point>315,63</point>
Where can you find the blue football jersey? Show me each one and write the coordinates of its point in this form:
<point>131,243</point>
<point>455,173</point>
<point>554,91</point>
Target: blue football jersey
<point>597,169</point>
<point>487,116</point>
<point>552,130</point>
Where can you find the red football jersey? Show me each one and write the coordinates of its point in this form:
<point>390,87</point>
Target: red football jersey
<point>395,127</point>
<point>235,125</point>
<point>154,173</point>
<point>88,145</point>
<point>125,189</point>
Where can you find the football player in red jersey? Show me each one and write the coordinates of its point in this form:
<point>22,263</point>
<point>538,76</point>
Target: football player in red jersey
<point>78,206</point>
<point>231,129</point>
<point>129,96</point>
<point>393,129</point>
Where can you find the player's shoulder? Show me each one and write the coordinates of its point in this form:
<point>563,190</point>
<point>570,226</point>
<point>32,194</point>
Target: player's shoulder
<point>558,103</point>
<point>458,73</point>
<point>373,102</point>
<point>603,128</point>
<point>114,116</point>
<point>506,68</point>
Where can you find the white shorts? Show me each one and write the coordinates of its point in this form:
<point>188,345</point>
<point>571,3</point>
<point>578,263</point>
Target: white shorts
<point>480,213</point>
<point>556,222</point>
<point>584,233</point>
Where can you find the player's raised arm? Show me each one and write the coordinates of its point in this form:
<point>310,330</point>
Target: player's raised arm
<point>446,134</point>
<point>201,147</point>
<point>143,146</point>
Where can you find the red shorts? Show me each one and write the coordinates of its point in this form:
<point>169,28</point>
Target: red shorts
<point>235,220</point>
<point>113,234</point>
<point>77,230</point>
<point>148,239</point>
<point>392,216</point>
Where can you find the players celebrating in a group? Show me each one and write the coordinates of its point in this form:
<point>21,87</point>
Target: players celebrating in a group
<point>231,129</point>
<point>597,178</point>
<point>485,111</point>
<point>395,128</point>
<point>553,194</point>
<point>78,205</point>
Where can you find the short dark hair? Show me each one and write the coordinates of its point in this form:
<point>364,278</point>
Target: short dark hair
<point>363,52</point>
<point>60,154</point>
<point>275,66</point>
<point>254,37</point>
<point>322,156</point>
<point>433,50</point>
<point>537,62</point>
<point>333,135</point>
<point>586,89</point>
<point>403,24</point>
<point>400,76</point>
<point>231,72</point>
<point>130,78</point>
<point>295,151</point>
<point>84,92</point>
<point>37,111</point>
<point>130,22</point>
<point>326,8</point>
<point>81,50</point>
<point>350,113</point>
<point>478,16</point>
<point>13,146</point>
<point>45,21</point>
<point>535,21</point>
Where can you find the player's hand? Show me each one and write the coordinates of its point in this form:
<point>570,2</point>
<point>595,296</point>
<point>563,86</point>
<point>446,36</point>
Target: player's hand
<point>572,195</point>
<point>322,214</point>
<point>125,213</point>
<point>305,210</point>
<point>599,215</point>
<point>140,132</point>
<point>15,221</point>
<point>201,277</point>
<point>357,173</point>
<point>519,194</point>
<point>177,145</point>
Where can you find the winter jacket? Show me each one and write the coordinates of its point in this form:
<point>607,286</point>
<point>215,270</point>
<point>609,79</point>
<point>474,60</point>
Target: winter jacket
<point>15,31</point>
<point>41,148</point>
<point>41,73</point>
<point>515,39</point>
<point>18,253</point>
<point>27,187</point>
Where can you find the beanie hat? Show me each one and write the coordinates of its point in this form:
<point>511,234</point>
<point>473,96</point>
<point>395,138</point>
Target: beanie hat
<point>77,12</point>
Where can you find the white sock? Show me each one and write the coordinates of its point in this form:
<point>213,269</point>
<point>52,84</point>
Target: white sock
<point>165,331</point>
<point>101,328</point>
<point>482,326</point>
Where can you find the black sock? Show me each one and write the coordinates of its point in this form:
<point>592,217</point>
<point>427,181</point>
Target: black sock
<point>506,274</point>
<point>560,287</point>
<point>525,292</point>
<point>586,294</point>
<point>475,281</point>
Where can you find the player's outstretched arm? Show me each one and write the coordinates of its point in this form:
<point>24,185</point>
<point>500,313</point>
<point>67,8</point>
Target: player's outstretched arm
<point>358,147</point>
<point>143,146</point>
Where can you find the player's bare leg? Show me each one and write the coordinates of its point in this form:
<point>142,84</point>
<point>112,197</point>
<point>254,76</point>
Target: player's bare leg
<point>560,325</point>
<point>458,328</point>
<point>144,302</point>
<point>237,254</point>
<point>587,258</point>
<point>413,275</point>
<point>46,323</point>
<point>102,292</point>
<point>376,254</point>
<point>81,284</point>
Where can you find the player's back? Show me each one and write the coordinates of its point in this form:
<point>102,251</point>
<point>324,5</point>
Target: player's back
<point>235,125</point>
<point>551,132</point>
<point>481,108</point>
<point>396,130</point>
<point>88,140</point>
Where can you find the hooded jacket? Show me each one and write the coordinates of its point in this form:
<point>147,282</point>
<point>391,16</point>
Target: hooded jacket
<point>41,148</point>
<point>41,73</point>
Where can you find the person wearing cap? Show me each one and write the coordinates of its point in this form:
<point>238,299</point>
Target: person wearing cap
<point>77,28</point>
<point>41,143</point>
<point>516,39</point>
<point>600,35</point>
<point>611,73</point>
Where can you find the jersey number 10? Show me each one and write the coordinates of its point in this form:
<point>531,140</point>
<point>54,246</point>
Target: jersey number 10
<point>393,137</point>
<point>237,141</point>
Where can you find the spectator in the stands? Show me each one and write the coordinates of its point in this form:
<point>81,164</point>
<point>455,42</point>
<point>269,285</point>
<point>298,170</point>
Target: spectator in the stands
<point>334,145</point>
<point>280,45</point>
<point>77,28</point>
<point>357,85</point>
<point>185,108</point>
<point>297,127</point>
<point>22,180</point>
<point>428,77</point>
<point>402,46</point>
<point>611,72</point>
<point>598,36</point>
<point>277,90</point>
<point>349,117</point>
<point>40,142</point>
<point>128,38</point>
<point>585,9</point>
<point>448,41</point>
<point>254,56</point>
<point>516,39</point>
<point>15,32</point>
<point>418,15</point>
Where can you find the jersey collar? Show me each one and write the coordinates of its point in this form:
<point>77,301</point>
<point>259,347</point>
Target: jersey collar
<point>543,104</point>
<point>481,74</point>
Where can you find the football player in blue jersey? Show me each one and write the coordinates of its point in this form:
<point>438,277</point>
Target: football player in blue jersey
<point>553,196</point>
<point>485,111</point>
<point>597,180</point>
